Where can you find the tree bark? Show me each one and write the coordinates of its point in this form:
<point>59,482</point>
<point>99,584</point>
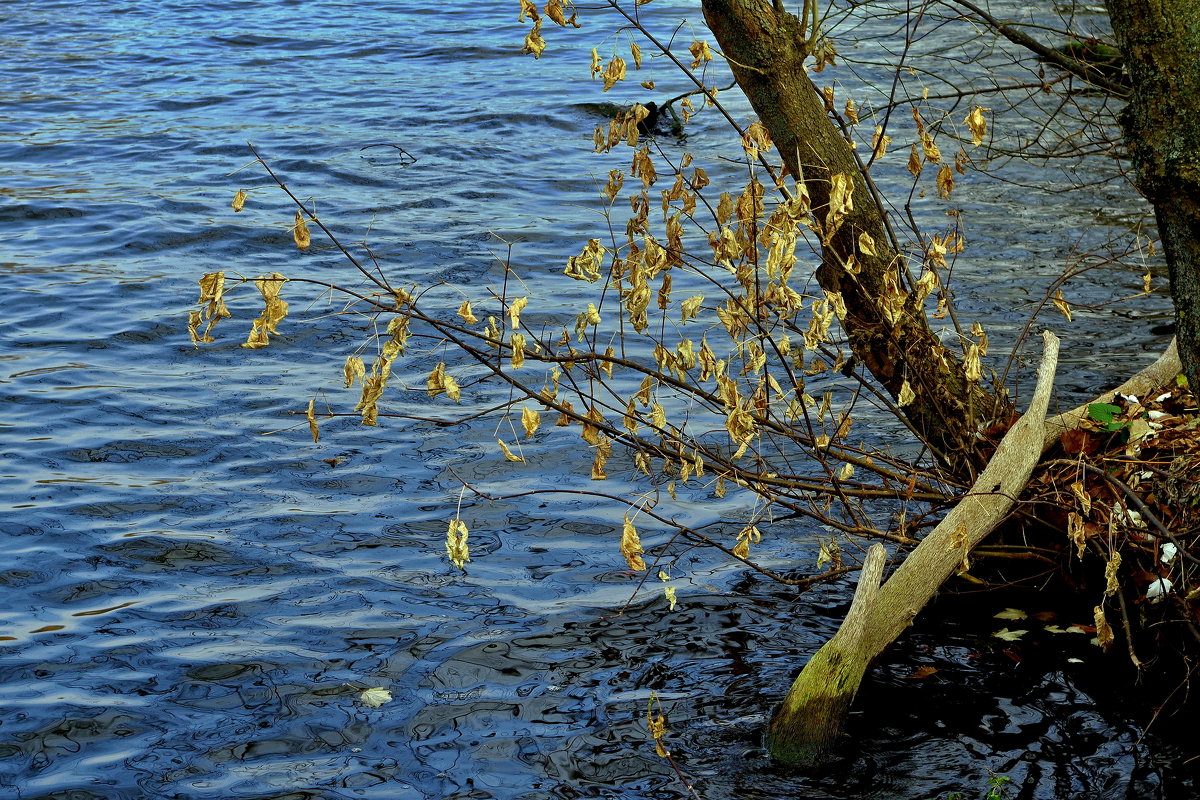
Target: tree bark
<point>1160,40</point>
<point>765,49</point>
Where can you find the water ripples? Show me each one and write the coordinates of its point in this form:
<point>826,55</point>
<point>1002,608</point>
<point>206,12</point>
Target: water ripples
<point>193,606</point>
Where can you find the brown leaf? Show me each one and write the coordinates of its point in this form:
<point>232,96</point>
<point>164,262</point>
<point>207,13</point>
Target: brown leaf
<point>1079,442</point>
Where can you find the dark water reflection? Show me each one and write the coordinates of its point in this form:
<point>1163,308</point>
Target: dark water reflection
<point>191,608</point>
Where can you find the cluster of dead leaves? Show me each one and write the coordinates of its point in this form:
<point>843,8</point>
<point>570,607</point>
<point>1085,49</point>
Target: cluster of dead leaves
<point>1126,490</point>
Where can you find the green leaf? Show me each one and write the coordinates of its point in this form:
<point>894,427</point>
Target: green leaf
<point>1103,412</point>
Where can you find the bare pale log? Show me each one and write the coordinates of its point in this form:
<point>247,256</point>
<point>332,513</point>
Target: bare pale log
<point>809,721</point>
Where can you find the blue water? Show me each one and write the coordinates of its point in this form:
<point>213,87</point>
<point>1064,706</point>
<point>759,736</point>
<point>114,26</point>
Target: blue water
<point>195,594</point>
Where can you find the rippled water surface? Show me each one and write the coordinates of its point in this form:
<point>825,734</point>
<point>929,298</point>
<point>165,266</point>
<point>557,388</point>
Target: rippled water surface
<point>191,608</point>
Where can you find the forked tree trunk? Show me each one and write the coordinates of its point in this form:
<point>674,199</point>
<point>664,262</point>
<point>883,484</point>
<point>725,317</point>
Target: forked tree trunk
<point>1160,40</point>
<point>765,49</point>
<point>808,723</point>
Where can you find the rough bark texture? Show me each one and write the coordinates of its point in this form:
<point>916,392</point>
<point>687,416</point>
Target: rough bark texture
<point>808,722</point>
<point>1160,40</point>
<point>765,50</point>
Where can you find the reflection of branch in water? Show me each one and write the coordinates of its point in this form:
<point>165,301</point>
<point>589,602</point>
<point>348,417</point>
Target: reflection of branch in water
<point>405,153</point>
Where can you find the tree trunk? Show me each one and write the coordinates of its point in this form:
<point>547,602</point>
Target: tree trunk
<point>765,49</point>
<point>808,723</point>
<point>1160,40</point>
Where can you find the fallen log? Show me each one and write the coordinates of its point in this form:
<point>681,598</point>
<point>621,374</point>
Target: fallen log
<point>809,722</point>
<point>1159,373</point>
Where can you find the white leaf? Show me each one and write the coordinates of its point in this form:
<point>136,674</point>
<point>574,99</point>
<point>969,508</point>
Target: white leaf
<point>1157,591</point>
<point>1009,636</point>
<point>1169,551</point>
<point>374,698</point>
<point>1012,613</point>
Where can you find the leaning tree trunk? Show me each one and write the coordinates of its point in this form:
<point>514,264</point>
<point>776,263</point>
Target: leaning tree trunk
<point>765,48</point>
<point>1160,40</point>
<point>808,723</point>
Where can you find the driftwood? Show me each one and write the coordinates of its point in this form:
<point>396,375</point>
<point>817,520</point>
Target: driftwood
<point>1157,374</point>
<point>808,723</point>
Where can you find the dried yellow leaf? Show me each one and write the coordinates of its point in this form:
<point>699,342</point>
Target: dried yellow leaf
<point>669,594</point>
<point>239,200</point>
<point>1085,499</point>
<point>1104,631</point>
<point>700,53</point>
<point>274,310</point>
<point>945,182</point>
<point>907,395</point>
<point>509,453</point>
<point>598,473</point>
<point>1112,585</point>
<point>435,382</point>
<point>453,391</point>
<point>841,203</point>
<point>636,52</point>
<point>300,234</point>
<point>530,420</point>
<point>643,394</point>
<point>879,143</point>
<point>534,43</point>
<point>517,344</point>
<point>1077,533</point>
<point>658,417</point>
<point>514,311</point>
<point>311,416</point>
<point>555,11</point>
<point>375,697</point>
<point>212,291</point>
<point>631,546</point>
<point>915,164</point>
<point>354,370</point>
<point>456,543</point>
<point>932,154</point>
<point>616,179</point>
<point>464,311</point>
<point>866,244</point>
<point>591,431</point>
<point>972,366</point>
<point>614,71</point>
<point>1061,304</point>
<point>586,265</point>
<point>977,122</point>
<point>851,112</point>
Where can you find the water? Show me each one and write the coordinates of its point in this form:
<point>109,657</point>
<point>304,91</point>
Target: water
<point>192,607</point>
